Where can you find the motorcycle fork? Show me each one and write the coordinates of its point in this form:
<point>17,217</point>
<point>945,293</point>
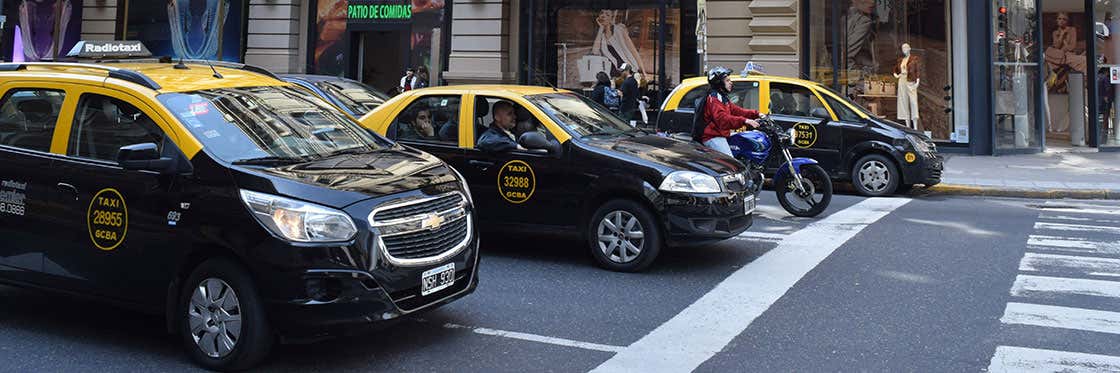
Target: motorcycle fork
<point>792,171</point>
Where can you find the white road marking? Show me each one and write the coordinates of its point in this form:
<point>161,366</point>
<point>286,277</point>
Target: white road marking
<point>703,329</point>
<point>1062,317</point>
<point>1027,285</point>
<point>1019,359</point>
<point>1035,262</point>
<point>1095,210</point>
<point>1076,228</point>
<point>1074,244</point>
<point>748,235</point>
<point>537,338</point>
<point>1075,218</point>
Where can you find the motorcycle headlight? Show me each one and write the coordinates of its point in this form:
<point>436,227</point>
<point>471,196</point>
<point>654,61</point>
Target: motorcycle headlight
<point>299,221</point>
<point>918,143</point>
<point>690,182</point>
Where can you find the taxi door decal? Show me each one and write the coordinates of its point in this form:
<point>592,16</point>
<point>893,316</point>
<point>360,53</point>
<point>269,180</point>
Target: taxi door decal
<point>13,197</point>
<point>107,219</point>
<point>516,181</point>
<point>806,135</point>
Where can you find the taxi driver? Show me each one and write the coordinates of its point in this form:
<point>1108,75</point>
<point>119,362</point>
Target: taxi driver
<point>499,138</point>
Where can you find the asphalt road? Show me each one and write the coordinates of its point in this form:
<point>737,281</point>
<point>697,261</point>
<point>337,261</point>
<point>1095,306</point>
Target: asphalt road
<point>930,284</point>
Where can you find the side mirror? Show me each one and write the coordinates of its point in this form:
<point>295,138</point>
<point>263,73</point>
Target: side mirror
<point>819,113</point>
<point>144,157</point>
<point>534,140</point>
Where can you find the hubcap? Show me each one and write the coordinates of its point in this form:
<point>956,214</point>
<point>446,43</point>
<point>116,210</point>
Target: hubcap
<point>874,176</point>
<point>214,316</point>
<point>621,238</point>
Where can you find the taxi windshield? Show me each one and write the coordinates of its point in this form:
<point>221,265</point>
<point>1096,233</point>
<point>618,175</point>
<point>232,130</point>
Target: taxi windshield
<point>268,123</point>
<point>579,115</point>
<point>356,97</point>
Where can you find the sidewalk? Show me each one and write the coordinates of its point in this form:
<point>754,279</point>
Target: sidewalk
<point>1045,175</point>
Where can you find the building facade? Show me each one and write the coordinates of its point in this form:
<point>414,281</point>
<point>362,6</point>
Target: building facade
<point>998,77</point>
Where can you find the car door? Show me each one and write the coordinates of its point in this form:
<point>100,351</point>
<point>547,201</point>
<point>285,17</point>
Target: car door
<point>119,224</point>
<point>853,130</point>
<point>797,106</point>
<point>520,187</point>
<point>28,120</point>
<point>432,123</point>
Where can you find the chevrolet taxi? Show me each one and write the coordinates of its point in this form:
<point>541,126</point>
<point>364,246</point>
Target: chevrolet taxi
<point>571,167</point>
<point>239,207</point>
<point>878,156</point>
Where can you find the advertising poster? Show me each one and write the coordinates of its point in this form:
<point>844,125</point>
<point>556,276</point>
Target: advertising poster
<point>43,29</point>
<point>329,56</point>
<point>594,40</point>
<point>190,29</point>
<point>1064,46</point>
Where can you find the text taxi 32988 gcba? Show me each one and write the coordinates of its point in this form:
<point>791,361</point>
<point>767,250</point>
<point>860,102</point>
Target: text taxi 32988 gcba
<point>239,206</point>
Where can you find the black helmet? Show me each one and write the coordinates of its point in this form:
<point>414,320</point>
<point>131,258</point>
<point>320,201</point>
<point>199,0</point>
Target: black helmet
<point>716,76</point>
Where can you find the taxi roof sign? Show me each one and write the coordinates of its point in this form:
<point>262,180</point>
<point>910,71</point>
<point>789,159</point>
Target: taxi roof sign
<point>109,49</point>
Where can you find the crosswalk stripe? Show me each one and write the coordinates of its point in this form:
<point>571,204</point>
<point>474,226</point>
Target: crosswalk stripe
<point>1076,227</point>
<point>1084,265</point>
<point>1020,359</point>
<point>761,236</point>
<point>1076,218</point>
<point>1076,244</point>
<point>1085,210</point>
<point>1062,317</point>
<point>1028,285</point>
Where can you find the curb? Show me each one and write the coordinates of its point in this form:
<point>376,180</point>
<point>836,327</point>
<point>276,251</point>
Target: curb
<point>973,190</point>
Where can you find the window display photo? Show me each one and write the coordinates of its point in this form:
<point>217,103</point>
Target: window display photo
<point>44,29</point>
<point>591,41</point>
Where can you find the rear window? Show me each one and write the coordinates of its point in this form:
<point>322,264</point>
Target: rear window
<point>28,117</point>
<point>356,97</point>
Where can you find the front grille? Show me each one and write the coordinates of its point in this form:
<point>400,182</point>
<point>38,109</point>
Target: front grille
<point>440,204</point>
<point>427,243</point>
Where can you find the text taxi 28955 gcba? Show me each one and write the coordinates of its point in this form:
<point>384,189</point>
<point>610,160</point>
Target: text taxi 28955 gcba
<point>234,203</point>
<point>546,160</point>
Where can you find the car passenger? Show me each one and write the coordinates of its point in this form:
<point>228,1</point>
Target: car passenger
<point>420,127</point>
<point>499,138</point>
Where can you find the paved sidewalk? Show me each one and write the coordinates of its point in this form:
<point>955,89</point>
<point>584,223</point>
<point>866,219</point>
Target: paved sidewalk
<point>1045,175</point>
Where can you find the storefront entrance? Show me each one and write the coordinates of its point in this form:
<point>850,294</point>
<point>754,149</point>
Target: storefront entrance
<point>378,61</point>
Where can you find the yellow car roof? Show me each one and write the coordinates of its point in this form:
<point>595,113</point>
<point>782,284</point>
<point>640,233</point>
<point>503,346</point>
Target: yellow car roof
<point>195,77</point>
<point>701,80</point>
<point>492,89</point>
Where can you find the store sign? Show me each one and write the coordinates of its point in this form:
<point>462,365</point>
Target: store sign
<point>358,11</point>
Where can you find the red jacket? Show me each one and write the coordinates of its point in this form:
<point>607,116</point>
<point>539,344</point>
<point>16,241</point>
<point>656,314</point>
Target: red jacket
<point>721,118</point>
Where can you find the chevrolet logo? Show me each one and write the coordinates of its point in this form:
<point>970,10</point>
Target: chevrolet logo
<point>432,222</point>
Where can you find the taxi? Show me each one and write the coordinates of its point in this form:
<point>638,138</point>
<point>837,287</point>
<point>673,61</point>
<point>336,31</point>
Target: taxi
<point>878,156</point>
<point>235,204</point>
<point>571,167</point>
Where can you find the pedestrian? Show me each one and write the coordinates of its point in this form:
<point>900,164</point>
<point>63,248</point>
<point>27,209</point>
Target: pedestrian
<point>604,93</point>
<point>629,106</point>
<point>407,81</point>
<point>421,80</point>
<point>718,115</point>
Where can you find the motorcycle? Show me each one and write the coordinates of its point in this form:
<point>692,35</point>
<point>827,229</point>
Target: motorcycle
<point>802,186</point>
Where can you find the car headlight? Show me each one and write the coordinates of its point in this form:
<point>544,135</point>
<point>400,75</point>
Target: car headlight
<point>690,182</point>
<point>463,182</point>
<point>299,221</point>
<point>919,143</point>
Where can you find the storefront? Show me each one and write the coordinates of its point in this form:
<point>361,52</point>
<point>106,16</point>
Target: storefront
<point>376,41</point>
<point>39,30</point>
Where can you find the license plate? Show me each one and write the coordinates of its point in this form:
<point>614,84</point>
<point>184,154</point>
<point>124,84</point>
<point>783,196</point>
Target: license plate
<point>437,279</point>
<point>749,204</point>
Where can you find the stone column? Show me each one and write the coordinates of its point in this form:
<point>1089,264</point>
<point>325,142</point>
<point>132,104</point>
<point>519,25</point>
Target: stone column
<point>99,20</point>
<point>763,31</point>
<point>274,34</point>
<point>481,42</point>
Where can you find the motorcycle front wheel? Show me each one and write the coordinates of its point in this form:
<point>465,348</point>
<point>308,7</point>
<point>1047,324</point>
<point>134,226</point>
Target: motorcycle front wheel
<point>810,200</point>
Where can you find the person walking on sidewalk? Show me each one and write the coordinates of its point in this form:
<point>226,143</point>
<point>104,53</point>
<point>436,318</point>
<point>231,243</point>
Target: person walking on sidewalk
<point>604,93</point>
<point>718,116</point>
<point>407,81</point>
<point>629,107</point>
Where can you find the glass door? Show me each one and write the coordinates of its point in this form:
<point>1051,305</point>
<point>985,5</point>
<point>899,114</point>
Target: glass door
<point>1106,30</point>
<point>1015,75</point>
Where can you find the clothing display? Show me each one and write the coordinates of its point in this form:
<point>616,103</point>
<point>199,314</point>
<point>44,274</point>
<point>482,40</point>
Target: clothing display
<point>908,72</point>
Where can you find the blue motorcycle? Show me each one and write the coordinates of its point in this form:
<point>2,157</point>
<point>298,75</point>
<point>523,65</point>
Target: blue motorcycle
<point>802,185</point>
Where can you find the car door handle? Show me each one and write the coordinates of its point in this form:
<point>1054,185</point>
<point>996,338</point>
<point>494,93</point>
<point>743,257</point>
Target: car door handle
<point>484,165</point>
<point>68,189</point>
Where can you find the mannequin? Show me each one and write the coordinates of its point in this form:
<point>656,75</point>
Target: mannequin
<point>908,73</point>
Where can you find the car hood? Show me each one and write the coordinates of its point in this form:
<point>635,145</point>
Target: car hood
<point>669,154</point>
<point>343,180</point>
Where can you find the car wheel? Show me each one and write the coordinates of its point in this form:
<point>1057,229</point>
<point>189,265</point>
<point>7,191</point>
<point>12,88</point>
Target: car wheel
<point>624,236</point>
<point>222,321</point>
<point>874,176</point>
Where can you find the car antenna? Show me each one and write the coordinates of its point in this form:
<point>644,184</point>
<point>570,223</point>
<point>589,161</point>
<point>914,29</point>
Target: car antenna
<point>540,77</point>
<point>180,65</point>
<point>216,74</point>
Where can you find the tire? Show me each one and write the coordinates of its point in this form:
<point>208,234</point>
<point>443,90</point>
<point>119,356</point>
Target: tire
<point>875,176</point>
<point>817,180</point>
<point>254,337</point>
<point>613,250</point>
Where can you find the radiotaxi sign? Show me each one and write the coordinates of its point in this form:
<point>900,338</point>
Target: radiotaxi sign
<point>103,49</point>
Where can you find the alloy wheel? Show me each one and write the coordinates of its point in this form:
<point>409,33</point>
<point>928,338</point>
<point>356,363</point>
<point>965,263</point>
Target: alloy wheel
<point>215,318</point>
<point>621,238</point>
<point>875,176</point>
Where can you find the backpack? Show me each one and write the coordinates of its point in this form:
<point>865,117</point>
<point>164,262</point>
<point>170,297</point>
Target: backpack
<point>611,98</point>
<point>698,124</point>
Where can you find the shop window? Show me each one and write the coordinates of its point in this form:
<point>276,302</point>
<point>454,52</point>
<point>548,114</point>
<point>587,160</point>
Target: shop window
<point>28,116</point>
<point>431,119</point>
<point>794,100</point>
<point>104,124</point>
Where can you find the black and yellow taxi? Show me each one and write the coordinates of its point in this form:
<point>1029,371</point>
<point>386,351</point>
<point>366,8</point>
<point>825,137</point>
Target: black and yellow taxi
<point>571,167</point>
<point>243,209</point>
<point>878,156</point>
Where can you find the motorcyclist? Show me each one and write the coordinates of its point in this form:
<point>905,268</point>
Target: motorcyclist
<point>718,116</point>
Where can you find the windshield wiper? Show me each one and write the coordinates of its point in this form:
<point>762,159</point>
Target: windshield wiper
<point>271,160</point>
<point>348,151</point>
